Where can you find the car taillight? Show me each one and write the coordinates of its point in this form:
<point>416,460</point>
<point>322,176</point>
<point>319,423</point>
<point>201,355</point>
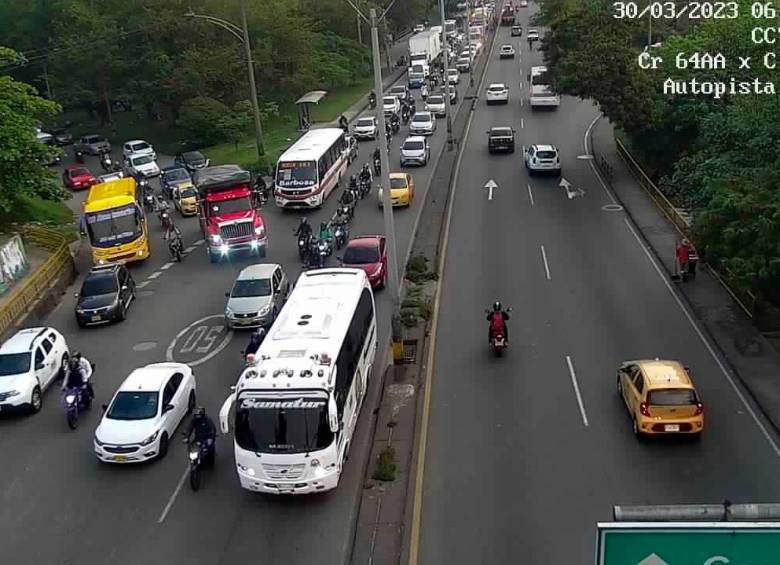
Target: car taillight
<point>699,409</point>
<point>644,409</point>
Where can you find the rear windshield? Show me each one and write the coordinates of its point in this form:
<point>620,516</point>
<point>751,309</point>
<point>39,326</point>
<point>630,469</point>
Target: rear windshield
<point>421,118</point>
<point>140,146</point>
<point>360,255</point>
<point>79,172</point>
<point>545,154</point>
<point>389,100</point>
<point>497,88</point>
<point>671,397</point>
<point>501,132</point>
<point>414,145</point>
<point>435,100</point>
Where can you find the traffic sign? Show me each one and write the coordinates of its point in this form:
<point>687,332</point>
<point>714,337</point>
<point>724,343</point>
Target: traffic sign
<point>688,543</point>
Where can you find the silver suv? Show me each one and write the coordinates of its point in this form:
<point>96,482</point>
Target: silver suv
<point>257,296</point>
<point>415,150</point>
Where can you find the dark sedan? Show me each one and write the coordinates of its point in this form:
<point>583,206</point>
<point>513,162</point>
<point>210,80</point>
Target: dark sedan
<point>105,295</point>
<point>62,136</point>
<point>172,177</point>
<point>501,139</point>
<point>191,160</point>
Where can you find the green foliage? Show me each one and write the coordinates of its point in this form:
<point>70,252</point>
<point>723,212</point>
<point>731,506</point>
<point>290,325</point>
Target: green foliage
<point>385,466</point>
<point>417,270</point>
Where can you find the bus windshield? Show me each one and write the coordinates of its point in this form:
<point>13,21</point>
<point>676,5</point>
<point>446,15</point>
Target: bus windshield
<point>115,226</point>
<point>296,174</point>
<point>283,425</point>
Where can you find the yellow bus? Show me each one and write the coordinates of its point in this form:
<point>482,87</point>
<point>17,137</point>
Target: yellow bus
<point>114,223</point>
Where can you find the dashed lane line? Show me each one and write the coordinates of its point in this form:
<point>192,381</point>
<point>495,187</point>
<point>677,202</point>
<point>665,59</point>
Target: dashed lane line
<point>167,266</point>
<point>546,265</point>
<point>577,391</point>
<point>142,284</point>
<point>154,275</point>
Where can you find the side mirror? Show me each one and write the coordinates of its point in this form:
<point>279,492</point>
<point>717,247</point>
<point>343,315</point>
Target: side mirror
<point>167,408</point>
<point>687,369</point>
<point>333,417</point>
<point>76,295</point>
<point>227,295</point>
<point>104,407</point>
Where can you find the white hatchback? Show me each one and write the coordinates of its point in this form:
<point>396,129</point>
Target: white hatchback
<point>497,93</point>
<point>423,123</point>
<point>143,416</point>
<point>138,147</point>
<point>30,361</point>
<point>453,76</point>
<point>542,158</point>
<point>142,166</point>
<point>365,128</point>
<point>435,104</point>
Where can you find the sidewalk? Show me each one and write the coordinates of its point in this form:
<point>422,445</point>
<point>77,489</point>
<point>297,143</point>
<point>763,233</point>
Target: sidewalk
<point>749,354</point>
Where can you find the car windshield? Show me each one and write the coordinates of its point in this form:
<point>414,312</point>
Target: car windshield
<point>506,47</point>
<point>93,139</point>
<point>296,174</point>
<point>452,72</point>
<point>435,100</point>
<point>194,157</point>
<point>176,174</point>
<point>501,132</point>
<point>282,425</point>
<point>545,154</point>
<point>99,284</point>
<point>14,363</point>
<point>133,405</point>
<point>249,288</point>
<point>361,254</point>
<point>110,227</point>
<point>671,397</point>
<point>414,145</point>
<point>365,122</point>
<point>496,88</point>
<point>421,118</point>
<point>398,183</point>
<point>389,100</point>
<point>79,172</point>
<point>230,206</point>
<point>144,160</point>
<point>140,146</point>
<point>188,192</point>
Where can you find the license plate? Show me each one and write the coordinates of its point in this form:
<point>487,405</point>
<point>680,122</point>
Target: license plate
<point>120,458</point>
<point>95,318</point>
<point>672,428</point>
<point>244,322</point>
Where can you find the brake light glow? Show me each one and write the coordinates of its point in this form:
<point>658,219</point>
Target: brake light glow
<point>699,409</point>
<point>644,409</point>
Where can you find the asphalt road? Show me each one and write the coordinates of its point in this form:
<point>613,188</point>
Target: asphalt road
<point>59,505</point>
<point>516,471</point>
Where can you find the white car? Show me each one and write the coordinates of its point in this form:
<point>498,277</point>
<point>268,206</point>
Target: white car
<point>476,47</point>
<point>436,105</point>
<point>365,128</point>
<point>533,34</point>
<point>142,166</point>
<point>523,3</point>
<point>30,361</point>
<point>390,105</point>
<point>423,123</point>
<point>497,93</point>
<point>144,413</point>
<point>453,76</point>
<point>463,65</point>
<point>542,158</point>
<point>415,151</point>
<point>506,52</point>
<point>138,147</point>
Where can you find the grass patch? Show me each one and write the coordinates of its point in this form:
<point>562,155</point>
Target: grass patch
<point>417,270</point>
<point>36,209</point>
<point>385,466</point>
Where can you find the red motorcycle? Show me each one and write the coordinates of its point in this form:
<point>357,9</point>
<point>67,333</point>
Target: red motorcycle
<point>498,339</point>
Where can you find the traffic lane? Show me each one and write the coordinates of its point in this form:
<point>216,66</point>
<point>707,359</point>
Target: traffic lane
<point>174,307</point>
<point>497,410</point>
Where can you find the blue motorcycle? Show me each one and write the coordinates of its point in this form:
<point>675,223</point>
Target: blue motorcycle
<point>76,401</point>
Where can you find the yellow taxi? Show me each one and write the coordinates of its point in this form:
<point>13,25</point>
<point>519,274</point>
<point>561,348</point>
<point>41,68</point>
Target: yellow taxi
<point>401,189</point>
<point>660,397</point>
<point>185,198</point>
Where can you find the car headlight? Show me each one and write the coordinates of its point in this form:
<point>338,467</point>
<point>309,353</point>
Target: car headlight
<point>215,239</point>
<point>12,393</point>
<point>264,310</point>
<point>228,311</point>
<point>98,442</point>
<point>151,438</point>
<point>194,453</point>
<point>315,462</point>
<point>260,230</point>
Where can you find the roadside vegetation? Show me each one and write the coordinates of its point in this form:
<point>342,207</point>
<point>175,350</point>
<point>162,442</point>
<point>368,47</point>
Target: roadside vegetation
<point>718,158</point>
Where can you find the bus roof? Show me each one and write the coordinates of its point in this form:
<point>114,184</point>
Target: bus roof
<point>112,194</point>
<point>312,145</point>
<point>538,71</point>
<point>302,346</point>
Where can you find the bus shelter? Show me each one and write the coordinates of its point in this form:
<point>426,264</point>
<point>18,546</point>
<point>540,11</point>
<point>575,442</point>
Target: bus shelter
<point>304,104</point>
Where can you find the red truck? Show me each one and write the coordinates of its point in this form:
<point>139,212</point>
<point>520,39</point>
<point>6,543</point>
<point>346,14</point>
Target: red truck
<point>508,16</point>
<point>229,216</point>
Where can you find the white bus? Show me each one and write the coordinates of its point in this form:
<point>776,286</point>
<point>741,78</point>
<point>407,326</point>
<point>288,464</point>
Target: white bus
<point>311,168</point>
<point>540,92</point>
<point>297,406</point>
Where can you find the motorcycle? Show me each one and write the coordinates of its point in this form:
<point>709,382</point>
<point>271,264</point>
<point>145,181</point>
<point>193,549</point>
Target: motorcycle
<point>106,163</point>
<point>80,157</point>
<point>365,188</point>
<point>175,245</point>
<point>372,101</point>
<point>76,401</point>
<point>304,241</point>
<point>498,340</point>
<point>377,166</point>
<point>395,126</point>
<point>149,200</point>
<point>405,116</point>
<point>316,258</point>
<point>347,211</point>
<point>341,234</point>
<point>199,454</point>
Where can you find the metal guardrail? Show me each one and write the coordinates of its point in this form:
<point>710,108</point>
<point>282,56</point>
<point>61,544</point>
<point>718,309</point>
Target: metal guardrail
<point>742,296</point>
<point>35,285</point>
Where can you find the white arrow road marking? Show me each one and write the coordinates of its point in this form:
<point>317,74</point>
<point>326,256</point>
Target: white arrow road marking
<point>490,185</point>
<point>571,192</point>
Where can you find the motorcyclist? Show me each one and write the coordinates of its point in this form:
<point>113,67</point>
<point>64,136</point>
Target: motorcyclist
<point>347,197</point>
<point>424,91</point>
<point>353,182</point>
<point>255,340</point>
<point>78,375</point>
<point>395,121</point>
<point>326,233</point>
<point>304,229</point>
<point>372,99</point>
<point>498,318</point>
<point>343,123</point>
<point>202,429</point>
<point>365,174</point>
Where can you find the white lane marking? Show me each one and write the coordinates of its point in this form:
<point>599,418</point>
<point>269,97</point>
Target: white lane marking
<point>172,499</point>
<point>154,275</point>
<point>577,391</point>
<point>142,284</point>
<point>586,144</point>
<point>546,266</point>
<point>522,123</point>
<point>523,149</point>
<point>531,194</point>
<point>209,339</point>
<point>704,340</point>
<point>190,249</point>
<point>167,266</point>
<point>521,98</point>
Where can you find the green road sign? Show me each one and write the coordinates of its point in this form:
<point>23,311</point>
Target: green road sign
<point>683,543</point>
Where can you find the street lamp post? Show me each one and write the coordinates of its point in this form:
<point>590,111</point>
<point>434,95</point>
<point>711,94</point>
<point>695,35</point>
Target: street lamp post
<point>447,103</point>
<point>468,42</point>
<point>387,203</point>
<point>242,34</point>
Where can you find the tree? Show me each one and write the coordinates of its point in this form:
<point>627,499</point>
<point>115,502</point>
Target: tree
<point>21,155</point>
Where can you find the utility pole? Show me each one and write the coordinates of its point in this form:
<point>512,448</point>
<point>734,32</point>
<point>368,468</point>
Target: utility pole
<point>252,85</point>
<point>359,30</point>
<point>468,42</point>
<point>447,103</point>
<point>393,279</point>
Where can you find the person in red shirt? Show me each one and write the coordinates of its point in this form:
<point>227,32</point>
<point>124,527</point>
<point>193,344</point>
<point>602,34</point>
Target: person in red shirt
<point>682,256</point>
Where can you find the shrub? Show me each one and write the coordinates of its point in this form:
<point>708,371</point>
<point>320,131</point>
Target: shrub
<point>385,467</point>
